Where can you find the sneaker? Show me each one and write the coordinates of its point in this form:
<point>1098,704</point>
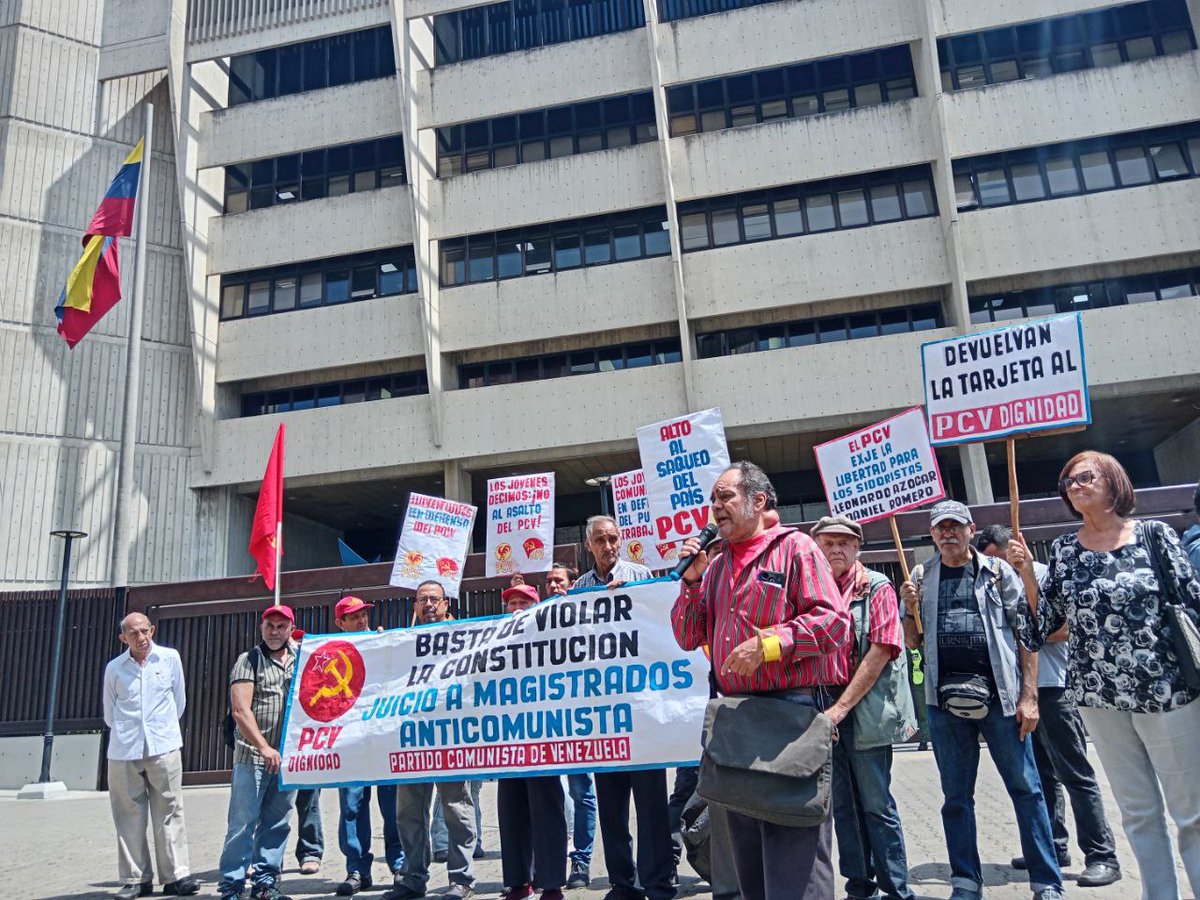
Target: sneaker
<point>624,893</point>
<point>354,883</point>
<point>1099,874</point>
<point>441,855</point>
<point>402,891</point>
<point>268,892</point>
<point>459,892</point>
<point>520,892</point>
<point>1050,893</point>
<point>184,887</point>
<point>310,866</point>
<point>1064,860</point>
<point>230,895</point>
<point>479,853</point>
<point>580,876</point>
<point>961,893</point>
<point>133,891</point>
<point>552,894</point>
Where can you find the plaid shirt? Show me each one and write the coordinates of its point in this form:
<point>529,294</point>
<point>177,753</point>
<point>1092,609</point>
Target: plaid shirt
<point>883,609</point>
<point>806,611</point>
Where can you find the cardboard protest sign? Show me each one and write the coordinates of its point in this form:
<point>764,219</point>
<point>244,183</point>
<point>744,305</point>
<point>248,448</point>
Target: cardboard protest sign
<point>520,524</point>
<point>681,461</point>
<point>880,470</point>
<point>993,384</point>
<point>631,509</point>
<point>585,683</point>
<point>433,543</point>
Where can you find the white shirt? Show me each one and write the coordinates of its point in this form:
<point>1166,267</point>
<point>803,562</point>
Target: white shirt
<point>143,703</point>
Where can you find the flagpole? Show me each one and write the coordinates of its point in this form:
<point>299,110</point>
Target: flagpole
<point>123,515</point>
<point>278,559</point>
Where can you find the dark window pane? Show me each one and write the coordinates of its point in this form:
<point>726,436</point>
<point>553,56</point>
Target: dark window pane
<point>852,207</point>
<point>481,258</point>
<point>537,251</point>
<point>1097,170</point>
<point>508,254</point>
<point>788,219</point>
<point>918,198</point>
<point>627,242</point>
<point>1168,161</point>
<point>801,334</point>
<point>567,252</point>
<point>1132,166</point>
<point>694,230</point>
<point>832,329</point>
<point>725,226</point>
<point>1060,172</point>
<point>885,202</point>
<point>1027,181</point>
<point>893,321</point>
<point>993,186</point>
<point>819,211</point>
<point>638,355</point>
<point>657,237</point>
<point>258,297</point>
<point>863,325</point>
<point>756,221</point>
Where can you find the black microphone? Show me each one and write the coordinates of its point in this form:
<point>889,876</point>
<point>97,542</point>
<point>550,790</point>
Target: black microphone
<point>706,536</point>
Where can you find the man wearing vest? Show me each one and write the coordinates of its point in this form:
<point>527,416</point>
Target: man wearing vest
<point>872,713</point>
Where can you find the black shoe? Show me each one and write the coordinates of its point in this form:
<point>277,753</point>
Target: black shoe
<point>403,892</point>
<point>479,853</point>
<point>133,891</point>
<point>441,856</point>
<point>184,887</point>
<point>354,883</point>
<point>580,876</point>
<point>1099,874</point>
<point>267,892</point>
<point>1064,860</point>
<point>624,893</point>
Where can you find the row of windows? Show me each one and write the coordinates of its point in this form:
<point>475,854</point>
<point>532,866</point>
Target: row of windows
<point>325,62</point>
<point>555,247</point>
<point>670,10</point>
<point>808,208</point>
<point>828,85</point>
<point>1064,298</point>
<point>1080,167</point>
<point>525,24</point>
<point>402,384</point>
<point>825,330</point>
<point>1092,40</point>
<point>576,362</point>
<point>323,282</point>
<point>546,134</point>
<point>327,172</point>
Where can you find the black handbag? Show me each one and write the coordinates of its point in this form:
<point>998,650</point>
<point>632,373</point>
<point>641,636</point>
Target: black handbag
<point>1185,636</point>
<point>767,758</point>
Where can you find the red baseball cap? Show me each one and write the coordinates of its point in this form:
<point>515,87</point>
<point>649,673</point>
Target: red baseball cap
<point>348,605</point>
<point>285,611</point>
<point>521,590</point>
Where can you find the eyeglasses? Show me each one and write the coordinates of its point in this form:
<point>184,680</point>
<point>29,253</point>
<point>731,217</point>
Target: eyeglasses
<point>1084,478</point>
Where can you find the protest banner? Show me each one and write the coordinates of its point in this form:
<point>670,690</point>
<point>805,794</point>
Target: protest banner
<point>881,470</point>
<point>681,461</point>
<point>520,524</point>
<point>433,543</point>
<point>1021,379</point>
<point>631,509</point>
<point>1016,380</point>
<point>589,682</point>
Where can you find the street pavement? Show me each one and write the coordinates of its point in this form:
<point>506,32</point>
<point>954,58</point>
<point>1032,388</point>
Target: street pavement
<point>66,847</point>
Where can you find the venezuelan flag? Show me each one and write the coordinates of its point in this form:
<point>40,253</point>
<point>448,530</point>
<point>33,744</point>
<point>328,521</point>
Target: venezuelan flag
<point>94,285</point>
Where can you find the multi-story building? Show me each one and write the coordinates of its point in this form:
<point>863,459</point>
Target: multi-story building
<point>445,240</point>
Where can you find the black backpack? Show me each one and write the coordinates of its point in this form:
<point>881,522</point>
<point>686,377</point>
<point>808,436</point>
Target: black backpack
<point>228,725</point>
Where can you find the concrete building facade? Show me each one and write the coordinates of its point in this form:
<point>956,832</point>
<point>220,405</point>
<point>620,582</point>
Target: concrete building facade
<point>445,240</point>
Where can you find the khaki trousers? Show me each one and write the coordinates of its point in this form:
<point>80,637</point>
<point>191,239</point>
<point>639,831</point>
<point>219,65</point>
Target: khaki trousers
<point>149,792</point>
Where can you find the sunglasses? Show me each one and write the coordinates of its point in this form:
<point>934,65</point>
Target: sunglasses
<point>1084,478</point>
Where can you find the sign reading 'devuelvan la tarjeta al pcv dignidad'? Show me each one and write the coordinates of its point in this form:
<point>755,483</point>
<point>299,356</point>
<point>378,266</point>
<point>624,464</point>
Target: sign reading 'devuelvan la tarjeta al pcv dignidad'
<point>993,384</point>
<point>582,683</point>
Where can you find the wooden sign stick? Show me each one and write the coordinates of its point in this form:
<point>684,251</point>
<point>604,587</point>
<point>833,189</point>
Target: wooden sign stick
<point>904,566</point>
<point>1014,495</point>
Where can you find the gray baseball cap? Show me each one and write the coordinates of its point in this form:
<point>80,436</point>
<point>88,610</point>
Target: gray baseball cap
<point>950,509</point>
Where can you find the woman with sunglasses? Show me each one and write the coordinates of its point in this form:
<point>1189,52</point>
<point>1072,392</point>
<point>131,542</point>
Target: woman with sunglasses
<point>1122,667</point>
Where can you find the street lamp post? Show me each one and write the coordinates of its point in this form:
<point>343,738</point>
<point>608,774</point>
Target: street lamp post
<point>600,482</point>
<point>44,786</point>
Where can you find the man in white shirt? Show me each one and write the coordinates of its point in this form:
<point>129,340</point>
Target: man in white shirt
<point>143,700</point>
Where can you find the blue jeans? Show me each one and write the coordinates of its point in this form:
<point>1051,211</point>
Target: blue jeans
<point>310,836</point>
<point>583,832</point>
<point>956,749</point>
<point>354,828</point>
<point>258,828</point>
<point>439,835</point>
<point>870,839</point>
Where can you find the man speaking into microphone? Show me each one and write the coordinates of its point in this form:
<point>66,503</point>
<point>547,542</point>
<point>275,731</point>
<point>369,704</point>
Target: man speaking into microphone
<point>764,599</point>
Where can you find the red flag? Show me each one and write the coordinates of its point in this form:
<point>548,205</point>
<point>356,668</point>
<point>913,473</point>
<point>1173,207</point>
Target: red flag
<point>268,515</point>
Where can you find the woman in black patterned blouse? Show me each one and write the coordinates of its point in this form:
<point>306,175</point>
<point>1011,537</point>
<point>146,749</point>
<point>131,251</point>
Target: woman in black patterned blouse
<point>1122,668</point>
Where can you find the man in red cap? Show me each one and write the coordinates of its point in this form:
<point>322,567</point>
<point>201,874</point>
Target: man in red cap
<point>352,614</point>
<point>258,810</point>
<point>533,820</point>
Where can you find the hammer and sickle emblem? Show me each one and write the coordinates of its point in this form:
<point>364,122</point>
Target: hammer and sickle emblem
<point>341,680</point>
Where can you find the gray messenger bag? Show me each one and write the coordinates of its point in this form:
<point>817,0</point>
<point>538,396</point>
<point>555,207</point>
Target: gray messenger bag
<point>767,758</point>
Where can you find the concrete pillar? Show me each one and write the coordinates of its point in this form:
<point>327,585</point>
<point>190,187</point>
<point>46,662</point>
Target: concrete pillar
<point>1178,457</point>
<point>457,481</point>
<point>975,474</point>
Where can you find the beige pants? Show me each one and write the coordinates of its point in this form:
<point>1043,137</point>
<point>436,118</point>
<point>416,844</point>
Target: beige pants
<point>149,792</point>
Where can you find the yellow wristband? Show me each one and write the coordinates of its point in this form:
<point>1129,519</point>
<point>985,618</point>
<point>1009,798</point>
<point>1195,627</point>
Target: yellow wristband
<point>772,648</point>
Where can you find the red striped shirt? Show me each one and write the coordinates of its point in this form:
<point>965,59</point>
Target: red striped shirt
<point>883,610</point>
<point>808,613</point>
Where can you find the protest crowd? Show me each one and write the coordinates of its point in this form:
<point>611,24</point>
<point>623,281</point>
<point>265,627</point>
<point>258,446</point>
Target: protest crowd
<point>811,687</point>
